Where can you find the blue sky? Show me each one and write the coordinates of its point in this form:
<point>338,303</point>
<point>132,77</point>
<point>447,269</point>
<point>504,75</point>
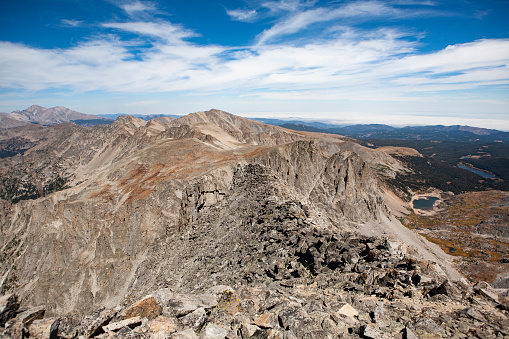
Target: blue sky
<point>401,62</point>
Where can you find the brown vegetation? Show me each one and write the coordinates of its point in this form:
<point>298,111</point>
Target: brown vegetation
<point>470,226</point>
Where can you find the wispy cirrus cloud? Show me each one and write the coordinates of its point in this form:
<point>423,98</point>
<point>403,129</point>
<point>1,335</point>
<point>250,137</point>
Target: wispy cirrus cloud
<point>139,9</point>
<point>162,30</point>
<point>71,23</point>
<point>242,15</point>
<point>359,11</point>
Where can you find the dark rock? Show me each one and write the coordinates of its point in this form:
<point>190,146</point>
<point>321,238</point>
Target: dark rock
<point>448,289</point>
<point>8,307</point>
<point>194,320</point>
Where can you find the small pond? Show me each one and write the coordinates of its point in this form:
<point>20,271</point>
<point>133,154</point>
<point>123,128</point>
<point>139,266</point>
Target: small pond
<point>483,174</point>
<point>425,203</point>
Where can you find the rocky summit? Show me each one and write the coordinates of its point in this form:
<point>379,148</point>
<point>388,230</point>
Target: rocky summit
<point>215,226</point>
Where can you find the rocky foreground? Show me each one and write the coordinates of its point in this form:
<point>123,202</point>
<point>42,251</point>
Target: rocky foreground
<point>349,286</point>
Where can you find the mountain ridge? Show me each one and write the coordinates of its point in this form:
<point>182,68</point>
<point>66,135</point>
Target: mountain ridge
<point>95,218</point>
<point>55,115</point>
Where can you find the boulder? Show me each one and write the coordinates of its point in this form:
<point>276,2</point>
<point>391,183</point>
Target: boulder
<point>348,311</point>
<point>24,320</point>
<point>266,320</point>
<point>448,289</point>
<point>95,326</point>
<point>291,315</point>
<point>8,307</point>
<point>409,334</point>
<point>185,334</point>
<point>194,320</point>
<point>373,332</point>
<point>180,305</point>
<point>485,290</point>
<point>212,331</point>
<point>130,322</point>
<point>248,330</point>
<point>147,307</point>
<point>44,328</point>
<point>162,324</point>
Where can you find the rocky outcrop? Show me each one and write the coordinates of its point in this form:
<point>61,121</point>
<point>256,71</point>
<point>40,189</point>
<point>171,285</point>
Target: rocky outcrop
<point>188,206</point>
<point>368,293</point>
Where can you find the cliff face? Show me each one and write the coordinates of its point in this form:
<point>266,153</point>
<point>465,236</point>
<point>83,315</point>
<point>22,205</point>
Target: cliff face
<point>197,202</point>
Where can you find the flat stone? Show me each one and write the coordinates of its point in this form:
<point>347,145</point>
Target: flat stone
<point>131,322</point>
<point>185,334</point>
<point>162,324</point>
<point>372,332</point>
<point>348,311</point>
<point>147,307</point>
<point>474,314</point>
<point>212,331</point>
<point>180,305</point>
<point>220,289</point>
<point>266,320</point>
<point>44,328</point>
<point>484,289</point>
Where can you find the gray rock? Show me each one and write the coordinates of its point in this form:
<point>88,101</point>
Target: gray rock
<point>194,320</point>
<point>409,334</point>
<point>94,326</point>
<point>180,305</point>
<point>372,332</point>
<point>447,288</point>
<point>130,322</point>
<point>185,334</point>
<point>487,291</point>
<point>248,330</point>
<point>291,315</point>
<point>212,331</point>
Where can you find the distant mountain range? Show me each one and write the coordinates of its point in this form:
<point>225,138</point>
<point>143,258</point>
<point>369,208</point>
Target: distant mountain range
<point>49,116</point>
<point>381,131</point>
<point>56,115</point>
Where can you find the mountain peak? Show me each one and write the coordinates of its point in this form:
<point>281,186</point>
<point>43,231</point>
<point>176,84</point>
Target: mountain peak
<point>35,109</point>
<point>50,116</point>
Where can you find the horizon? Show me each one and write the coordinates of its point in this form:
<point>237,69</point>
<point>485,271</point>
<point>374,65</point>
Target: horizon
<point>396,62</point>
<point>288,118</point>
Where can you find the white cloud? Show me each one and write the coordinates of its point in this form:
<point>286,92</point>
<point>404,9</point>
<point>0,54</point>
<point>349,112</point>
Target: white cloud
<point>242,15</point>
<point>137,9</point>
<point>71,23</point>
<point>357,11</point>
<point>162,30</point>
